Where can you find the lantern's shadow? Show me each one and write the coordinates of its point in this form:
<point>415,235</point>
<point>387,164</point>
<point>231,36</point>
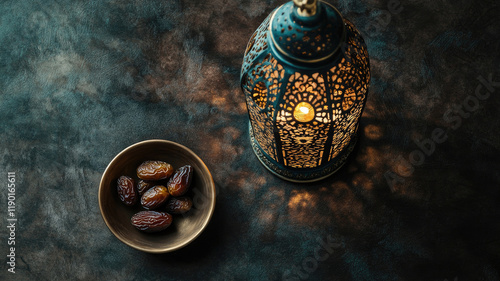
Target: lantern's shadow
<point>374,186</point>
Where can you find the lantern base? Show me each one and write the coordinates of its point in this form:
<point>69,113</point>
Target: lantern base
<point>302,175</point>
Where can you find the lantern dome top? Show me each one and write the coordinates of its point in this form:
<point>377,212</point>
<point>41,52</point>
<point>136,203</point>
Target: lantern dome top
<point>308,32</point>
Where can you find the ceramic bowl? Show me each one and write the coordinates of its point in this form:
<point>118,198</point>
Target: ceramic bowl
<point>184,228</point>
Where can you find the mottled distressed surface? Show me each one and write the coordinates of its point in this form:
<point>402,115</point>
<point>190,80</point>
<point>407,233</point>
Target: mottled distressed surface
<point>81,80</point>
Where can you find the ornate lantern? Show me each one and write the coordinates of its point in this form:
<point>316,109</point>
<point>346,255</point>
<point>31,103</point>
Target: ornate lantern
<point>305,77</point>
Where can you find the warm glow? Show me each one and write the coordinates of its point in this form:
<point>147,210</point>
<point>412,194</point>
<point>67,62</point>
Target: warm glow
<point>303,112</point>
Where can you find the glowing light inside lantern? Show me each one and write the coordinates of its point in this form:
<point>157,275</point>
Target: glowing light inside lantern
<point>303,112</point>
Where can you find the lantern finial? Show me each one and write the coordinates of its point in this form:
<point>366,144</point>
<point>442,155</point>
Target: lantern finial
<point>306,8</point>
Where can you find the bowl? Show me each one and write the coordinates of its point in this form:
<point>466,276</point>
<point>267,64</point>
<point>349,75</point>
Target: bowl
<point>184,228</point>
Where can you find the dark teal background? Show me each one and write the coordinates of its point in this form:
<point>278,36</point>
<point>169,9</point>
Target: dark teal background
<point>82,80</point>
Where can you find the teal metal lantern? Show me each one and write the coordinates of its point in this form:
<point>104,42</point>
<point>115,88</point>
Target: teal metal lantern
<point>305,76</point>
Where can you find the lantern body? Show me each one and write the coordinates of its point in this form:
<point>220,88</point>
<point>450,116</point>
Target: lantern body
<point>305,80</point>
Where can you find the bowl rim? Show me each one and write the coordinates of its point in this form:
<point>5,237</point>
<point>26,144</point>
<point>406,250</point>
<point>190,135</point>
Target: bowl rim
<point>180,245</point>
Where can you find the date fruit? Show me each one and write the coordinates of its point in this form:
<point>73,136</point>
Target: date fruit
<point>126,190</point>
<point>161,191</point>
<point>179,183</point>
<point>143,186</point>
<point>154,197</point>
<point>178,205</point>
<point>151,221</point>
<point>154,170</point>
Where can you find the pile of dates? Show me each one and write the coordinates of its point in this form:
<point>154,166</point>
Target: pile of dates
<point>160,191</point>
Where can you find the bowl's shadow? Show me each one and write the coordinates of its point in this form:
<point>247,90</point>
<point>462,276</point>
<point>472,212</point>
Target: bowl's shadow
<point>201,247</point>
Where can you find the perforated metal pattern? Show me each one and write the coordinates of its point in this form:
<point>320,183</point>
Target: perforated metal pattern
<point>336,90</point>
<point>307,39</point>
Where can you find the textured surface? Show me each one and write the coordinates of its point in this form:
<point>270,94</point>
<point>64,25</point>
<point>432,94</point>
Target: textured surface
<point>81,80</point>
